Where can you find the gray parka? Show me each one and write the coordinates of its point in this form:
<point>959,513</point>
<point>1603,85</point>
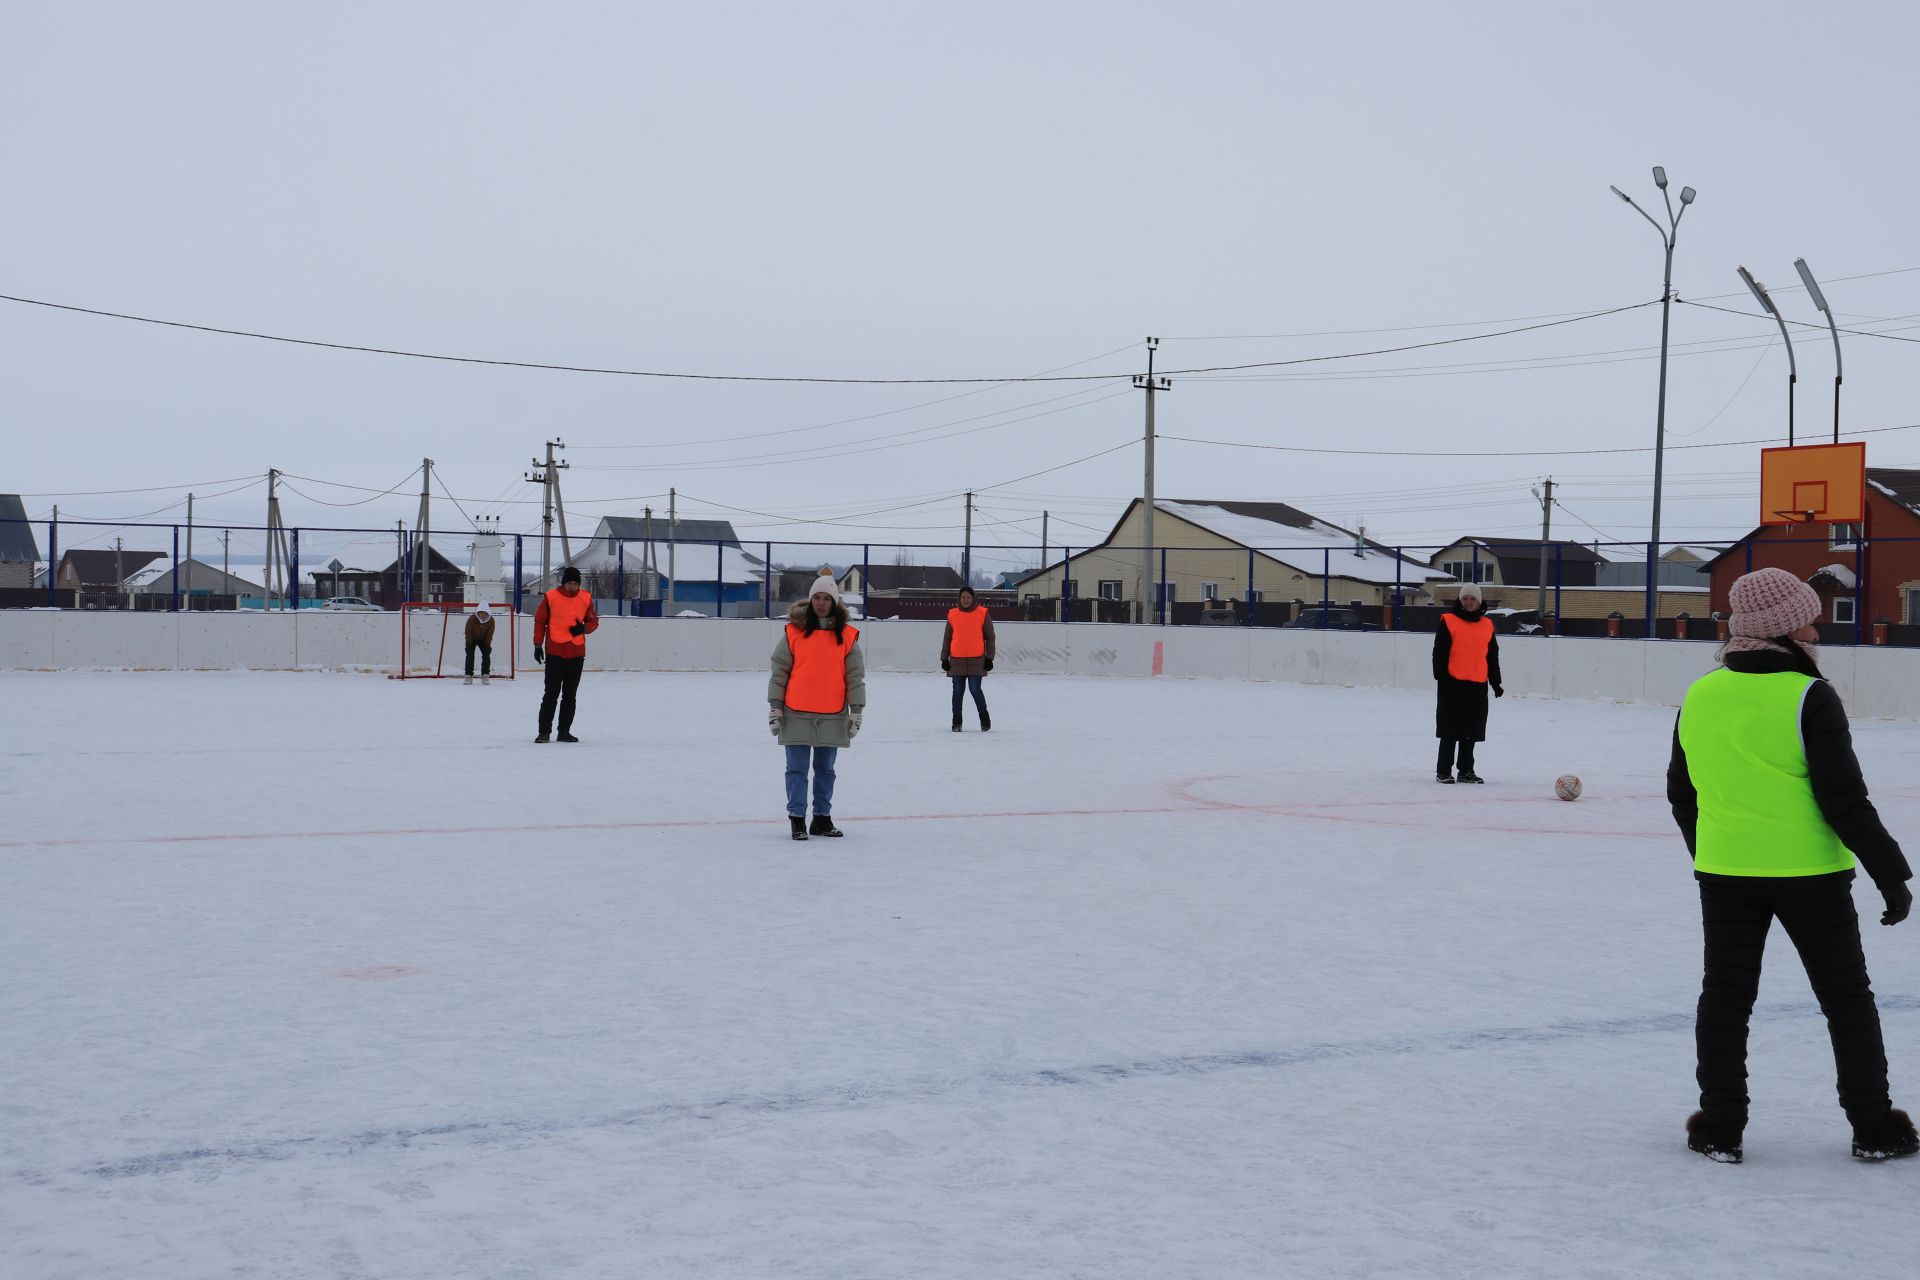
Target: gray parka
<point>804,728</point>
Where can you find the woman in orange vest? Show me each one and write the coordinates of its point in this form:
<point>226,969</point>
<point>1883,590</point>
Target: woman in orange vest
<point>966,654</point>
<point>815,700</point>
<point>1466,663</point>
<point>560,628</point>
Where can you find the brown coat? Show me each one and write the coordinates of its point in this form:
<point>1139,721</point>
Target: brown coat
<point>957,667</point>
<point>478,632</point>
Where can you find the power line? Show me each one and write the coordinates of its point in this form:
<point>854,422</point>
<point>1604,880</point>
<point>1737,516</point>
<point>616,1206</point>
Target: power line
<point>361,502</point>
<point>1801,324</point>
<point>156,488</point>
<point>1500,453</point>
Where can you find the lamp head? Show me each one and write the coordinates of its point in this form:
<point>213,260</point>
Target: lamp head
<point>1623,195</point>
<point>1686,195</point>
<point>1759,291</point>
<point>1813,286</point>
<point>1660,177</point>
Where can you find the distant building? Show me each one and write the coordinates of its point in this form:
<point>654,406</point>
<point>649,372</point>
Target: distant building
<point>1516,562</point>
<point>196,579</point>
<point>102,571</point>
<point>388,588</point>
<point>19,551</point>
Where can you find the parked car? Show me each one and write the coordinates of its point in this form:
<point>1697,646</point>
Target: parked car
<point>1516,622</point>
<point>351,604</point>
<point>1330,620</point>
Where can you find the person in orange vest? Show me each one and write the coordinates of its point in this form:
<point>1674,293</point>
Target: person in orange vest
<point>561,626</point>
<point>815,700</point>
<point>966,655</point>
<point>1466,663</point>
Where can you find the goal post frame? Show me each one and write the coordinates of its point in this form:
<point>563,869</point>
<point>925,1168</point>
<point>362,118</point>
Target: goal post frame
<point>411,611</point>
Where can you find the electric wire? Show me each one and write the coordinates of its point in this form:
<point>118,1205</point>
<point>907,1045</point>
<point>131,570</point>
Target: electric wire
<point>1503,453</point>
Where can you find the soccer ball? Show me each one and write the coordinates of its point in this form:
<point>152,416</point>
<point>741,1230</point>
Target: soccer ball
<point>1567,787</point>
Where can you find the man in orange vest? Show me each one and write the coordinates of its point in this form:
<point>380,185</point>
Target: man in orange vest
<point>560,628</point>
<point>1466,663</point>
<point>966,655</point>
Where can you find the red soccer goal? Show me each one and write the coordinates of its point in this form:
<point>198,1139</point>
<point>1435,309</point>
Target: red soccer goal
<point>433,641</point>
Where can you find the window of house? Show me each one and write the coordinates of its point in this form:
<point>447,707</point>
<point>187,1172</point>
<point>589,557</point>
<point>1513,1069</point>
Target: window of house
<point>1069,587</point>
<point>1209,591</point>
<point>1913,608</point>
<point>1843,537</point>
<point>1256,596</point>
<point>1109,588</point>
<point>1843,608</point>
<point>1166,592</point>
<point>1467,570</point>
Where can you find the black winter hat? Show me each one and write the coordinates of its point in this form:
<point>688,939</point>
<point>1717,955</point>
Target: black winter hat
<point>569,574</point>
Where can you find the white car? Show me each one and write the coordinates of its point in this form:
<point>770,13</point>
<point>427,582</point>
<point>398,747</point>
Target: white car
<point>351,604</point>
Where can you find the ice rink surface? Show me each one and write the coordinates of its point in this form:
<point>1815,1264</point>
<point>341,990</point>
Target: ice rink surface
<point>311,975</point>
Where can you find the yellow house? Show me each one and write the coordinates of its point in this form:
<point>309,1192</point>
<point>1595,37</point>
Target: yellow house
<point>1240,551</point>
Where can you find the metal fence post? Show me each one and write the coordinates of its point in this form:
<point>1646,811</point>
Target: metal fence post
<point>866,575</point>
<point>517,590</point>
<point>620,578</point>
<point>719,579</point>
<point>1398,564</point>
<point>1250,562</point>
<point>1066,585</point>
<point>173,603</point>
<point>1749,547</point>
<point>53,563</point>
<point>1161,612</point>
<point>1653,593</point>
<point>766,583</point>
<point>1476,569</point>
<point>293,572</point>
<point>1326,585</point>
<point>1559,579</point>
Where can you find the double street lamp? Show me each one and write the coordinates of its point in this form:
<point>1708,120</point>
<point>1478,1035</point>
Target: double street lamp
<point>1668,234</point>
<point>1819,300</point>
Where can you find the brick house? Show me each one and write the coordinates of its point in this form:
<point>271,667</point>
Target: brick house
<point>1832,559</point>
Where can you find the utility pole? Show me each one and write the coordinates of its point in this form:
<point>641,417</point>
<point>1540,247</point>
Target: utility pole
<point>547,476</point>
<point>646,558</point>
<point>423,551</point>
<point>1546,533</point>
<point>966,549</point>
<point>279,561</point>
<point>1043,541</point>
<point>226,562</point>
<point>120,573</point>
<point>673,536</point>
<point>1150,385</point>
<point>189,553</point>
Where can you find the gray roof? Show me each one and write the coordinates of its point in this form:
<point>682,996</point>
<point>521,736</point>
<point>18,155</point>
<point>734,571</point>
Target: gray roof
<point>1529,549</point>
<point>634,529</point>
<point>16,536</point>
<point>1899,483</point>
<point>897,577</point>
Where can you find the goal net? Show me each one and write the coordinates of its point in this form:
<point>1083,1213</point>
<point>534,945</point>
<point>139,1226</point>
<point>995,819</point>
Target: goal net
<point>433,641</point>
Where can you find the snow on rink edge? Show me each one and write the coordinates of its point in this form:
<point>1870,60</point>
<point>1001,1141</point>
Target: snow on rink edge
<point>324,975</point>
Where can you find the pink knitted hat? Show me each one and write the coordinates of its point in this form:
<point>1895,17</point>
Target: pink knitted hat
<point>1769,603</point>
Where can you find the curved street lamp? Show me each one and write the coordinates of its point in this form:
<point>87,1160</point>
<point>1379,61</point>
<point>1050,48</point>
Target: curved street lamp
<point>1667,235</point>
<point>1793,372</point>
<point>1820,301</point>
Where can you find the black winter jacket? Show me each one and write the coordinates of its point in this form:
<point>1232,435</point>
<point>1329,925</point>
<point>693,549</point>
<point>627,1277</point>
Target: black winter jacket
<point>1443,646</point>
<point>1832,768</point>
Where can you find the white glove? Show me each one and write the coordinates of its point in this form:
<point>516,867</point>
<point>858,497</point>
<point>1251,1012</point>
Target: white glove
<point>853,723</point>
<point>776,716</point>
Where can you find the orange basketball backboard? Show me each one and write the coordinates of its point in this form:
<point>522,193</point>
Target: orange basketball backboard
<point>1814,484</point>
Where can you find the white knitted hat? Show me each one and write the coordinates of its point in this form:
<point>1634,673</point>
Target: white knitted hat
<point>1472,589</point>
<point>824,584</point>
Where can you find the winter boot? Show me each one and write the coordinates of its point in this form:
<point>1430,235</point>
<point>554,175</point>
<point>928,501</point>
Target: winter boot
<point>486,679</point>
<point>468,680</point>
<point>543,737</point>
<point>1890,1139</point>
<point>1468,775</point>
<point>566,735</point>
<point>823,826</point>
<point>1722,1147</point>
<point>956,724</point>
<point>986,721</point>
<point>799,825</point>
<point>1444,777</point>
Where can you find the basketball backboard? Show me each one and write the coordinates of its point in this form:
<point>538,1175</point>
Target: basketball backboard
<point>1814,484</point>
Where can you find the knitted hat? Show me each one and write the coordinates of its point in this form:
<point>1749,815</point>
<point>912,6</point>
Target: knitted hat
<point>824,585</point>
<point>1472,589</point>
<point>569,574</point>
<point>1769,603</point>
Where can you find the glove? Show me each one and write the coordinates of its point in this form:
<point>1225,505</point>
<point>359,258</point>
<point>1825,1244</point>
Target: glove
<point>539,654</point>
<point>945,665</point>
<point>776,718</point>
<point>853,731</point>
<point>1499,691</point>
<point>989,664</point>
<point>1899,902</point>
<point>578,629</point>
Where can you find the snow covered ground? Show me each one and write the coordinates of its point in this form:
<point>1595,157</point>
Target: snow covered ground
<point>327,976</point>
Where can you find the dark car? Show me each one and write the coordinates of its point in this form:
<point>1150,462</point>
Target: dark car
<point>1331,620</point>
<point>1516,622</point>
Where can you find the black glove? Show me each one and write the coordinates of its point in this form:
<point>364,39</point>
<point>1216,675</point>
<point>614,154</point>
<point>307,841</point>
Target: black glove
<point>539,654</point>
<point>1499,691</point>
<point>1899,902</point>
<point>989,664</point>
<point>578,629</point>
<point>945,665</point>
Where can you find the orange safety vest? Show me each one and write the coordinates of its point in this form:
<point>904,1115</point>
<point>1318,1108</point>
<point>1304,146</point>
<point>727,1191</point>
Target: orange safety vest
<point>969,632</point>
<point>1467,659</point>
<point>818,682</point>
<point>562,612</point>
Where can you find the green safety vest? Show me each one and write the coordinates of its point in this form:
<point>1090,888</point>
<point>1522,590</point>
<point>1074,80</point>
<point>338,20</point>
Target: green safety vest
<point>1758,817</point>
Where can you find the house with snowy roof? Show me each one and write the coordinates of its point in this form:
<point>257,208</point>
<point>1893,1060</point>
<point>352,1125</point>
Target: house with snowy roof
<point>19,549</point>
<point>1208,549</point>
<point>1877,578</point>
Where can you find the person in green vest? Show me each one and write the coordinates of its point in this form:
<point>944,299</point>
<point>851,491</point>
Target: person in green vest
<point>1766,789</point>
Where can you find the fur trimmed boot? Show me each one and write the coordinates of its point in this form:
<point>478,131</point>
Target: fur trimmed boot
<point>1711,1141</point>
<point>1889,1140</point>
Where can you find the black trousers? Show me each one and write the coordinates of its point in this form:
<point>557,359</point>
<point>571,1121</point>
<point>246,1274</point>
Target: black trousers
<point>563,682</point>
<point>1818,914</point>
<point>486,658</point>
<point>1447,745</point>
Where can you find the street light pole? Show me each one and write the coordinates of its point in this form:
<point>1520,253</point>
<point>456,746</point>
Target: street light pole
<point>1820,301</point>
<point>1668,235</point>
<point>1793,371</point>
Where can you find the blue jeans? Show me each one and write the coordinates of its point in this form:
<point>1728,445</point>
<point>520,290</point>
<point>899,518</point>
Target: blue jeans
<point>961,684</point>
<point>823,758</point>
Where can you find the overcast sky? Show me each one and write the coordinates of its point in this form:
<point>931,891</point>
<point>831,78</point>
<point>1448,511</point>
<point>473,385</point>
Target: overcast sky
<point>912,191</point>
